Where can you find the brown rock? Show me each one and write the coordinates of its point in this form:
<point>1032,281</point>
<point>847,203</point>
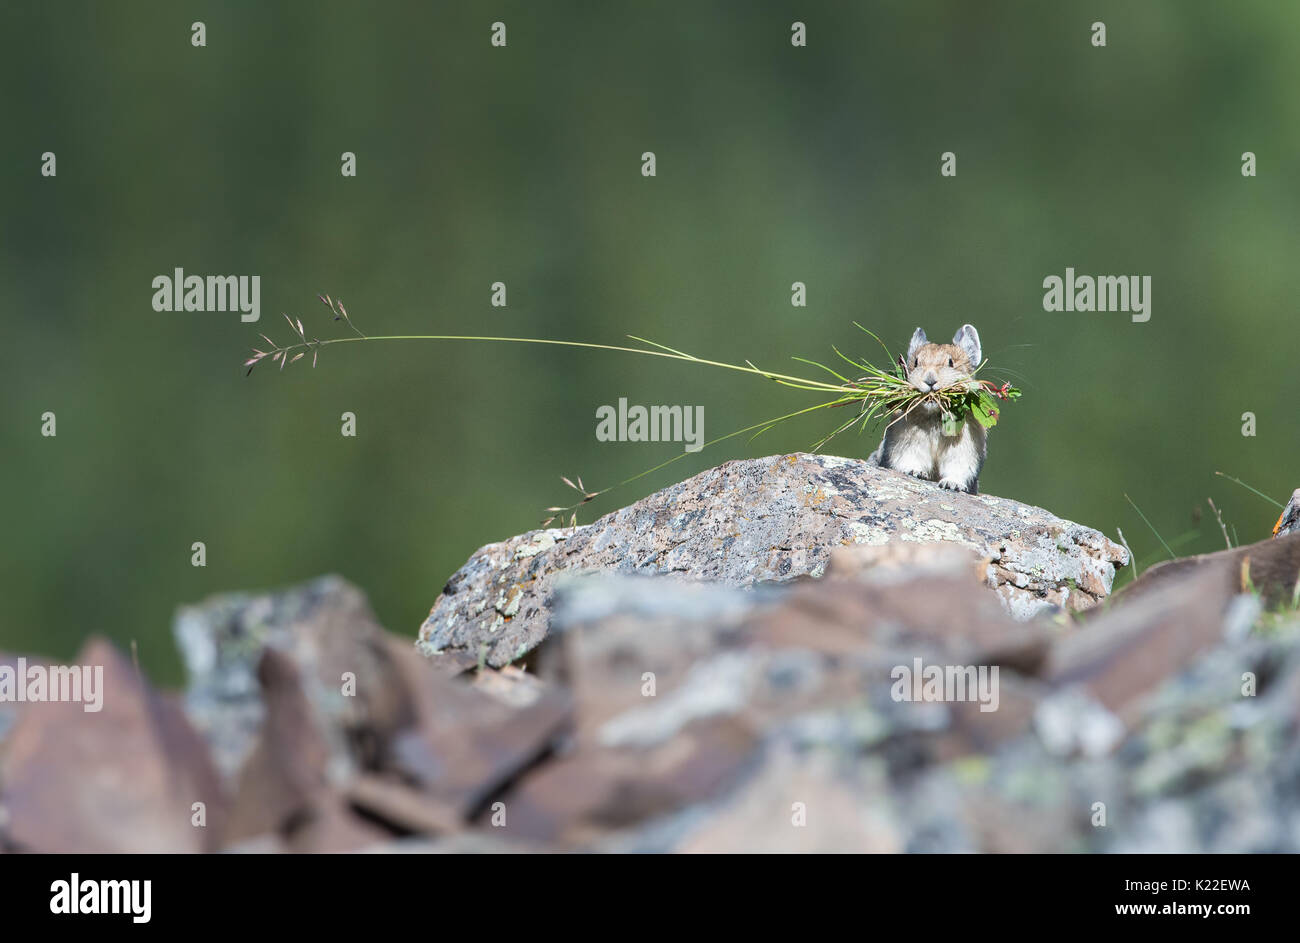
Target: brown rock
<point>286,779</point>
<point>1129,650</point>
<point>1270,567</point>
<point>120,780</point>
<point>927,595</point>
<point>463,744</point>
<point>401,806</point>
<point>797,805</point>
<point>288,793</point>
<point>582,797</point>
<point>607,654</point>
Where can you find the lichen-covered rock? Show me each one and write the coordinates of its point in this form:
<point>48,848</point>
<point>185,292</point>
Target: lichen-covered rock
<point>333,735</point>
<point>327,628</point>
<point>1171,715</point>
<point>765,519</point>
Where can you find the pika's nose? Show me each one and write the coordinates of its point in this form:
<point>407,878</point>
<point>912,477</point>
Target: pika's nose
<point>931,380</point>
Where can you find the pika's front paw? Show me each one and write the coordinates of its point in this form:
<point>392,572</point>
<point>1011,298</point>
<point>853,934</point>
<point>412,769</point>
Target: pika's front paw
<point>952,484</point>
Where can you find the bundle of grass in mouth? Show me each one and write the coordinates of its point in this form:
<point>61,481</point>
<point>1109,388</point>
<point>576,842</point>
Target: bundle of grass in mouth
<point>892,394</point>
<point>878,394</point>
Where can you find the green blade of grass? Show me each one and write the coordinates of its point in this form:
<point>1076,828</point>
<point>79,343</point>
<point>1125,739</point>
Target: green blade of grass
<point>1148,523</point>
<point>813,363</point>
<point>880,392</point>
<point>818,447</point>
<point>1278,504</point>
<point>762,426</point>
<point>888,354</point>
<point>849,360</point>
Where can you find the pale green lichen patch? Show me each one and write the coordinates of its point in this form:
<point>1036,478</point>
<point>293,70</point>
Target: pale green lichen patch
<point>540,542</point>
<point>866,534</point>
<point>835,461</point>
<point>936,529</point>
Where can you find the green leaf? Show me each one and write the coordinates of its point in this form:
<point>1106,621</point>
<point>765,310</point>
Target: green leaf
<point>985,410</point>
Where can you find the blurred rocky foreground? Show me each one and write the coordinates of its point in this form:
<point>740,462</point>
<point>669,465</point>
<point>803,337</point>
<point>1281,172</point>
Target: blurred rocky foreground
<point>730,703</point>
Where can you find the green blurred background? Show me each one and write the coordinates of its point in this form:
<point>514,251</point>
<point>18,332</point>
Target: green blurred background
<point>522,164</point>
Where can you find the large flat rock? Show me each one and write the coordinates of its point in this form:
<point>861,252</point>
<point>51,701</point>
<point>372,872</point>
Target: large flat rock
<point>767,519</point>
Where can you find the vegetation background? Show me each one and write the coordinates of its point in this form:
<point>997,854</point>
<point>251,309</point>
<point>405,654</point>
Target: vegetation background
<point>522,164</point>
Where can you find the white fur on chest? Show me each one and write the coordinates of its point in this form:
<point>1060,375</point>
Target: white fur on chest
<point>917,446</point>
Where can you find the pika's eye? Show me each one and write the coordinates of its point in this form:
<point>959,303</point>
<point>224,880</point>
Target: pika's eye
<point>950,361</point>
<point>915,360</point>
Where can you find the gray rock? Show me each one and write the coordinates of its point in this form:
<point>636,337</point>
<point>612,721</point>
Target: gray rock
<point>767,519</point>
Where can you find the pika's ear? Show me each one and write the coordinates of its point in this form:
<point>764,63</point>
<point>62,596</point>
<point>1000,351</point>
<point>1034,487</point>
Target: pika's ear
<point>968,339</point>
<point>915,344</point>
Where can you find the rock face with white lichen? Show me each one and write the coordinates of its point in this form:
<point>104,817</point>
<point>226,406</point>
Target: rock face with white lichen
<point>769,519</point>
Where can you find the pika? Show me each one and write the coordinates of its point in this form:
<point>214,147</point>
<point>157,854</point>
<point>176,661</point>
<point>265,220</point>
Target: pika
<point>915,443</point>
